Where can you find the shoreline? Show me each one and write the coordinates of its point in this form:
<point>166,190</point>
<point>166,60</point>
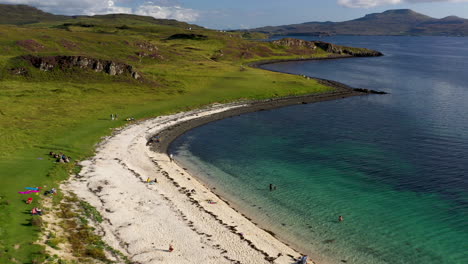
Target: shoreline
<point>170,134</point>
<point>142,220</point>
<point>341,91</point>
<point>258,64</point>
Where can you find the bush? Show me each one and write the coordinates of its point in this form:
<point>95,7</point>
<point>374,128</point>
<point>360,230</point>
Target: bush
<point>36,221</point>
<point>96,253</point>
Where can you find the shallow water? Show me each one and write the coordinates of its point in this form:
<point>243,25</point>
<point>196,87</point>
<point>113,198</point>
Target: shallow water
<point>395,166</point>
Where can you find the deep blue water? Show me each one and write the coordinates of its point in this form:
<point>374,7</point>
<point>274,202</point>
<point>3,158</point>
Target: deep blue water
<point>395,166</point>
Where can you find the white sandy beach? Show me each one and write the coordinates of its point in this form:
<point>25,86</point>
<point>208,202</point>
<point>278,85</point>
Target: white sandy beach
<point>141,220</point>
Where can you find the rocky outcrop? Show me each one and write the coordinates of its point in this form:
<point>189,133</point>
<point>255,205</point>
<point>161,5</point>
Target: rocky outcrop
<point>328,47</point>
<point>369,91</point>
<point>145,45</point>
<point>19,71</point>
<point>356,52</point>
<point>68,62</point>
<point>298,43</point>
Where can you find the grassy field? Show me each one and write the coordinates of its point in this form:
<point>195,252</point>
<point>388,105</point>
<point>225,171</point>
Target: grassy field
<point>69,110</point>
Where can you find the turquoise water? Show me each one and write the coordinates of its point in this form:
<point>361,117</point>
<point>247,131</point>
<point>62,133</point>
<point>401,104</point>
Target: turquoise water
<point>394,166</point>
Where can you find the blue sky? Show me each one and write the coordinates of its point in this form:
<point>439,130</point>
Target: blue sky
<point>234,14</point>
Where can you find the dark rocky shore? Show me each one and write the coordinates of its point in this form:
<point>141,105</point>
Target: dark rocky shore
<point>171,133</point>
<point>340,91</point>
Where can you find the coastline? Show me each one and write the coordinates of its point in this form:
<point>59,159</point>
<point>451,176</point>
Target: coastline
<point>173,132</point>
<point>142,220</point>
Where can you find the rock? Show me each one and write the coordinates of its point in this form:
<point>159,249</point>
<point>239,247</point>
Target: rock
<point>328,47</point>
<point>67,62</point>
<point>292,42</point>
<point>83,62</point>
<point>19,71</point>
<point>111,69</point>
<point>369,91</point>
<point>145,45</point>
<point>98,67</point>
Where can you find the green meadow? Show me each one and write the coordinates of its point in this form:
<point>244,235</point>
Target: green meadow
<point>69,110</point>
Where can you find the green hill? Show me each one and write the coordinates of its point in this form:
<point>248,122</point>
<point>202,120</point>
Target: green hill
<point>23,14</point>
<point>391,22</point>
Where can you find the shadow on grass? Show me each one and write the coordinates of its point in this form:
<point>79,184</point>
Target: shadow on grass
<point>53,147</point>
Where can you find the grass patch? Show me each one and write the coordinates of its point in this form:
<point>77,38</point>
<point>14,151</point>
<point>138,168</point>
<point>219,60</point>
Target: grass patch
<point>80,234</point>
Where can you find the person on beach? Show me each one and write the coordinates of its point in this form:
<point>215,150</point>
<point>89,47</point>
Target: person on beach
<point>148,180</point>
<point>340,218</point>
<point>36,211</point>
<point>153,182</point>
<point>171,248</point>
<point>171,157</point>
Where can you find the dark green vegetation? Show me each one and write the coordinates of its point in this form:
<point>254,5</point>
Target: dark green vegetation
<point>62,103</point>
<point>391,22</point>
<point>23,14</point>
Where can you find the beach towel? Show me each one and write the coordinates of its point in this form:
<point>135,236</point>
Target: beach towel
<point>28,192</point>
<point>32,188</point>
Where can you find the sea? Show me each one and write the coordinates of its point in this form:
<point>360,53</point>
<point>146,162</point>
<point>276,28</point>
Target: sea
<point>394,166</point>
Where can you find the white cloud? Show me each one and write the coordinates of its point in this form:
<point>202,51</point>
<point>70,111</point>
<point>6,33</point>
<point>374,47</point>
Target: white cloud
<point>373,3</point>
<point>174,12</point>
<point>169,9</point>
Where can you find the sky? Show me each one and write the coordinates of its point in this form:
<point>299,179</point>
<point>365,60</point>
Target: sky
<point>242,14</point>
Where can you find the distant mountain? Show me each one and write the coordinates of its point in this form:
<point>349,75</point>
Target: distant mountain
<point>391,22</point>
<point>23,14</point>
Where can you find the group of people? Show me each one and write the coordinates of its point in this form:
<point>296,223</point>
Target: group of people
<point>60,157</point>
<point>154,139</point>
<point>36,210</point>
